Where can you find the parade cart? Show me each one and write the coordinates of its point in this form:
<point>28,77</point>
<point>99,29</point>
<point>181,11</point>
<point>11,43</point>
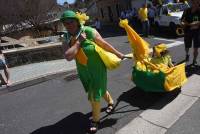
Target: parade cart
<point>147,76</point>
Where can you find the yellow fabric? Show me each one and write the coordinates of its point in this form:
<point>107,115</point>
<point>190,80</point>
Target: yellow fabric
<point>96,106</point>
<point>107,97</point>
<point>110,60</point>
<point>176,78</point>
<point>143,14</point>
<point>166,59</point>
<point>82,17</point>
<point>80,56</point>
<point>140,47</point>
<point>96,110</point>
<point>160,48</point>
<point>146,65</point>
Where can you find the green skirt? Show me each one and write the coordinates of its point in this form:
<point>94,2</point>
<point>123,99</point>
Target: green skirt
<point>94,75</point>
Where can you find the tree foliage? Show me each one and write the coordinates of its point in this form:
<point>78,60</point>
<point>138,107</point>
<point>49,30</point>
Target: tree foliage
<point>16,14</point>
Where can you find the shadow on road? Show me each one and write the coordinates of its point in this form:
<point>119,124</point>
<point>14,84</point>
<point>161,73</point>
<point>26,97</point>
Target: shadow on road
<point>145,100</point>
<point>75,123</point>
<point>78,123</point>
<point>190,70</point>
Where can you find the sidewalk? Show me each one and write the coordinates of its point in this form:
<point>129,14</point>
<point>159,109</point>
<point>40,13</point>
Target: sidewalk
<point>23,76</point>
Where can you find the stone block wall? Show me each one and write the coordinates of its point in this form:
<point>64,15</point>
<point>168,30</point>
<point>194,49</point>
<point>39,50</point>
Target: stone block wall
<point>30,55</point>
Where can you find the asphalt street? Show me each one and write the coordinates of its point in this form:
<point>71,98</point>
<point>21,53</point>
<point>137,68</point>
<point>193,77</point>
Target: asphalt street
<point>60,106</point>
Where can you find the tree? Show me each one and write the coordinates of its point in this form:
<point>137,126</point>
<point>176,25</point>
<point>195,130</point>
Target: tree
<point>18,14</point>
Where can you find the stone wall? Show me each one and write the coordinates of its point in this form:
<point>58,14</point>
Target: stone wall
<point>29,55</point>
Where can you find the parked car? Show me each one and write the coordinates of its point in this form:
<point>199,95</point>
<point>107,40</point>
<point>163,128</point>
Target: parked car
<point>169,15</point>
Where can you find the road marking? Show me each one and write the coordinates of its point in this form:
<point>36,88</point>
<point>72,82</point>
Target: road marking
<point>164,39</point>
<point>169,45</point>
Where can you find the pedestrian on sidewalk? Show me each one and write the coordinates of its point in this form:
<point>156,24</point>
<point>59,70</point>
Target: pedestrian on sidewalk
<point>4,67</point>
<point>191,24</point>
<point>91,69</point>
<point>143,16</point>
<point>151,17</point>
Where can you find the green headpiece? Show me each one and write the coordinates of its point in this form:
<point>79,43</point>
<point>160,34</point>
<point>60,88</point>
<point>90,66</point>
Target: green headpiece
<point>69,14</point>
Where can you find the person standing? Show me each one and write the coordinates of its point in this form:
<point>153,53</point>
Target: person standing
<point>98,25</point>
<point>143,16</point>
<point>3,66</point>
<point>191,23</point>
<point>91,69</point>
<point>151,16</point>
<point>122,15</point>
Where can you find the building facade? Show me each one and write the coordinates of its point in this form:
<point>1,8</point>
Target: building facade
<point>109,11</point>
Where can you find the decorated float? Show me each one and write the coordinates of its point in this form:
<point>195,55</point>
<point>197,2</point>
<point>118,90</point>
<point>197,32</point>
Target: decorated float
<point>146,75</point>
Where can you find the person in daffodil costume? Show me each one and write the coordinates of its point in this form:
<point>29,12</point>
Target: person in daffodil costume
<point>79,45</point>
<point>161,55</point>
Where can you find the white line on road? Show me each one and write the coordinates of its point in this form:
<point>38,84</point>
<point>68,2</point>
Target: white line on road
<point>169,45</point>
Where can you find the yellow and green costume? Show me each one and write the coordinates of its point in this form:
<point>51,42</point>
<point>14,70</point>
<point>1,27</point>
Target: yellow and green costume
<point>153,76</point>
<point>91,69</point>
<point>93,75</point>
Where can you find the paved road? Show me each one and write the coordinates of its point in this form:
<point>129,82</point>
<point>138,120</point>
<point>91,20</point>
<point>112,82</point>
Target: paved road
<point>60,105</point>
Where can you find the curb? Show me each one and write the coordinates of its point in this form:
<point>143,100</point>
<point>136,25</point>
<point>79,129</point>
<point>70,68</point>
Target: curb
<point>69,74</point>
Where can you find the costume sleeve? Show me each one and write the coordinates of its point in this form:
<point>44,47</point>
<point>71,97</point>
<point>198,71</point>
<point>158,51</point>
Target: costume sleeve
<point>90,32</point>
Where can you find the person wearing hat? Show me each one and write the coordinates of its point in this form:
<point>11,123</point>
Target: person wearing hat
<point>161,55</point>
<point>190,21</point>
<point>91,69</point>
<point>143,16</point>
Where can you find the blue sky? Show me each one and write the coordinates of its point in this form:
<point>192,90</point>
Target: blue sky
<point>62,1</point>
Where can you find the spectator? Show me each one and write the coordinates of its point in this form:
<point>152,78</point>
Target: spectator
<point>151,16</point>
<point>143,16</point>
<point>122,15</point>
<point>191,23</point>
<point>134,16</point>
<point>91,69</point>
<point>4,66</point>
<point>98,25</point>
